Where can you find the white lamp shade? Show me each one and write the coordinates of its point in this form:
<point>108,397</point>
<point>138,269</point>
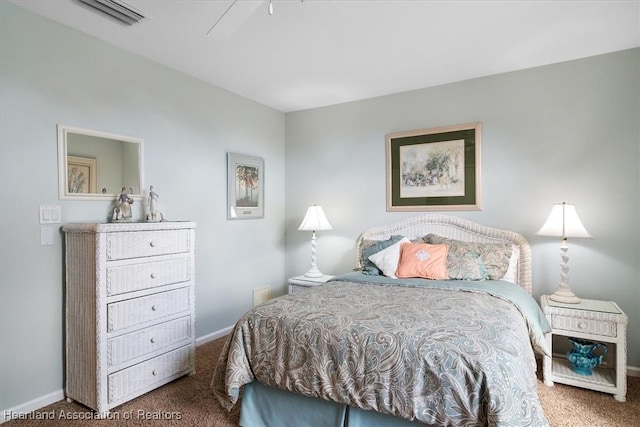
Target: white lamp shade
<point>315,219</point>
<point>564,222</point>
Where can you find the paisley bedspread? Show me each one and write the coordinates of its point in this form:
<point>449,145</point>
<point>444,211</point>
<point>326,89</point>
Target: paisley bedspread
<point>439,352</point>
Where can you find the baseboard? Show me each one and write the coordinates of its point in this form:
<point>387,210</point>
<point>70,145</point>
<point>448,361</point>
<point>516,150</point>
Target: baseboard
<point>26,409</point>
<point>633,371</point>
<point>214,335</point>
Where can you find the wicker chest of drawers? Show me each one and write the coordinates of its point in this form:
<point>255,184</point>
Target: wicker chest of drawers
<point>130,323</point>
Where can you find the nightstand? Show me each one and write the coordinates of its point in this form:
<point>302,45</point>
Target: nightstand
<point>302,283</point>
<point>593,320</point>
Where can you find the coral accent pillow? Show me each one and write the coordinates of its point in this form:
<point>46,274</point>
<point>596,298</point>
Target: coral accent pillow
<point>423,260</point>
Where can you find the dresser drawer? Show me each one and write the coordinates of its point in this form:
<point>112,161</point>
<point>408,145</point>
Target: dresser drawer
<point>135,277</point>
<point>136,379</point>
<point>136,311</point>
<point>587,326</point>
<point>139,343</point>
<point>138,244</point>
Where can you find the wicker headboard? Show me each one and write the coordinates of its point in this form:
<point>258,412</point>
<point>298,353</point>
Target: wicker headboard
<point>455,228</point>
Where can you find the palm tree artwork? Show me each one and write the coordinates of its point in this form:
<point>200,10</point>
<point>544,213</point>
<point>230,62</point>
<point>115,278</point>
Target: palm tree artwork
<point>247,186</point>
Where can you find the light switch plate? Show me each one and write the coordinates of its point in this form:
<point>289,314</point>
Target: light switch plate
<point>49,214</point>
<point>46,236</point>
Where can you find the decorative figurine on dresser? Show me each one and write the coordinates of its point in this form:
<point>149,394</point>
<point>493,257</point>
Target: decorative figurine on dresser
<point>130,320</point>
<point>122,212</point>
<point>154,214</point>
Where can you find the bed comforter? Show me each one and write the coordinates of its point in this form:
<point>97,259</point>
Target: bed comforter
<point>443,353</point>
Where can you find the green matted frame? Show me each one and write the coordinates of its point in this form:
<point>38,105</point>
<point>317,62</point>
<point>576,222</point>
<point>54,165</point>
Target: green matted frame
<point>437,169</point>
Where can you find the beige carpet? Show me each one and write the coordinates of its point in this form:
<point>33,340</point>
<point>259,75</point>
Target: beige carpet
<point>189,402</point>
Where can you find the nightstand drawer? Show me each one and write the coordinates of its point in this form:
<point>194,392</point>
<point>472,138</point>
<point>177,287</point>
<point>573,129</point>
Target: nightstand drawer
<point>302,283</point>
<point>587,326</point>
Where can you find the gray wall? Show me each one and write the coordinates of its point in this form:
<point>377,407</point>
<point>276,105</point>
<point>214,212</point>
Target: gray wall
<point>562,132</point>
<point>51,74</point>
<point>565,132</point>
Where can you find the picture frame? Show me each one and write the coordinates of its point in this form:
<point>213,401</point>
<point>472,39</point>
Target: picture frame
<point>245,187</point>
<point>436,169</point>
<point>81,175</point>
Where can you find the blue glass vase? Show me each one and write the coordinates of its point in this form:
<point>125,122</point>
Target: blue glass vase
<point>583,357</point>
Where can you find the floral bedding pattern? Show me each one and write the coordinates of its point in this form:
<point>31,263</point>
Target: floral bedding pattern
<point>440,355</point>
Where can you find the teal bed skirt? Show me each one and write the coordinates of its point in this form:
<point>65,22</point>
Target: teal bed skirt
<point>264,406</point>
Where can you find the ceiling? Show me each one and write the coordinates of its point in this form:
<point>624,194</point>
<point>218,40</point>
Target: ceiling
<point>322,52</point>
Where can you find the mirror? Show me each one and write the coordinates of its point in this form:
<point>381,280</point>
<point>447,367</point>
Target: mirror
<point>96,165</point>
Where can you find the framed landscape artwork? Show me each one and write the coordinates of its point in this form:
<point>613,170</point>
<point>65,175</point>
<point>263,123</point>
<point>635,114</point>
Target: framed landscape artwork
<point>434,169</point>
<point>245,187</point>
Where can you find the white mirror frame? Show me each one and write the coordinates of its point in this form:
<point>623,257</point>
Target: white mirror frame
<point>63,194</point>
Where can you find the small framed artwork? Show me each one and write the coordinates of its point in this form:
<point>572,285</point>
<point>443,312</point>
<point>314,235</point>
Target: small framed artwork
<point>81,175</point>
<point>434,169</point>
<point>245,187</point>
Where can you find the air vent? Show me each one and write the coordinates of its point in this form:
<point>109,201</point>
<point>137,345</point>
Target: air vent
<point>117,10</point>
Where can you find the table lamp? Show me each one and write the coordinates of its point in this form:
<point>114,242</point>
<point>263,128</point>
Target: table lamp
<point>314,220</point>
<point>564,222</point>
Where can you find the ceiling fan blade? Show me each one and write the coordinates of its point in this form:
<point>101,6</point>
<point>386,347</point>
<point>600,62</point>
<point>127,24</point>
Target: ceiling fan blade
<point>233,18</point>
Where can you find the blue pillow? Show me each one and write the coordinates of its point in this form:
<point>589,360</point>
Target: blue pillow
<point>368,267</point>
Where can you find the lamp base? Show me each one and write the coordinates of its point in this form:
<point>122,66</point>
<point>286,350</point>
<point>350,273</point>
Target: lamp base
<point>313,272</point>
<point>564,295</point>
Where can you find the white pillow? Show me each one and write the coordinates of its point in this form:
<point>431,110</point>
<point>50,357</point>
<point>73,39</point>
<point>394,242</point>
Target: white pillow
<point>388,258</point>
<point>510,275</point>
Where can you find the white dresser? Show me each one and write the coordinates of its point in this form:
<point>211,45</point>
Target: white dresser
<point>130,323</point>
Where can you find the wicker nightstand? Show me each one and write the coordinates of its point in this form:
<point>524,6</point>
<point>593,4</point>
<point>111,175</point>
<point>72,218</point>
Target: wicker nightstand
<point>302,283</point>
<point>599,321</point>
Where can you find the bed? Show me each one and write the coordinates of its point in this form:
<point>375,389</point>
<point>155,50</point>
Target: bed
<point>436,325</point>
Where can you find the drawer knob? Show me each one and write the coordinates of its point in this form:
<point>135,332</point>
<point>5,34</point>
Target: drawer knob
<point>153,275</point>
<point>154,308</point>
<point>152,244</point>
<point>154,372</point>
<point>153,340</point>
<point>582,325</point>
